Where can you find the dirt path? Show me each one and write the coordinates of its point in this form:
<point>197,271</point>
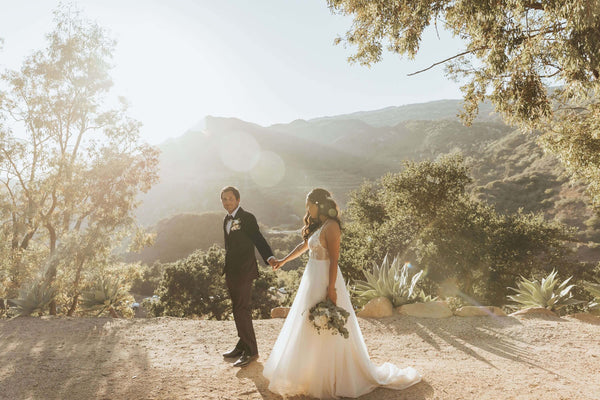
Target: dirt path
<point>168,358</point>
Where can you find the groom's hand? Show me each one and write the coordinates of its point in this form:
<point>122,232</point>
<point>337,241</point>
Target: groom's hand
<point>273,263</point>
<point>277,264</point>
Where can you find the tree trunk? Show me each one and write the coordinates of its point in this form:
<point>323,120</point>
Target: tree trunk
<point>52,271</point>
<point>15,236</point>
<point>112,312</point>
<point>52,234</point>
<point>468,285</point>
<point>52,308</point>
<point>76,287</point>
<point>73,305</point>
<point>26,239</point>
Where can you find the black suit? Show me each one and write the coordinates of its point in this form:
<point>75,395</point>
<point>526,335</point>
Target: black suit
<point>240,271</point>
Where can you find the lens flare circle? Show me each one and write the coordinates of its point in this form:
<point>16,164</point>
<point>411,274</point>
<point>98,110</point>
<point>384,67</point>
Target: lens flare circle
<point>269,170</point>
<point>239,151</point>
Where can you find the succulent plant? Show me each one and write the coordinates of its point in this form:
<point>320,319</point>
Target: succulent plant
<point>547,294</point>
<point>389,280</point>
<point>33,298</point>
<point>104,295</point>
<point>594,290</point>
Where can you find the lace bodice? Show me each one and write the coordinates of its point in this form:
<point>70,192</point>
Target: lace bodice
<point>315,248</point>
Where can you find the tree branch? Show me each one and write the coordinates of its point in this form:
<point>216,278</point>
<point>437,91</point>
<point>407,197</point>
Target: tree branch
<point>446,60</point>
<point>535,6</point>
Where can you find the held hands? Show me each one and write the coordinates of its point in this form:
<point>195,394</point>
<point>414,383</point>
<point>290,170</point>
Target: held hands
<point>276,264</point>
<point>331,294</point>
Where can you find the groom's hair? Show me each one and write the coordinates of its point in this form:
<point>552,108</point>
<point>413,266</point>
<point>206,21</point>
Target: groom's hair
<point>233,189</point>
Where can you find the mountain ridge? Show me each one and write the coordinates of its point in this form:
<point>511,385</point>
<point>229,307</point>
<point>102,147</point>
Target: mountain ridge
<point>275,166</point>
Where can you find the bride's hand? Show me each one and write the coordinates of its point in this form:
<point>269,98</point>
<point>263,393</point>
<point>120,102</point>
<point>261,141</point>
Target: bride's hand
<point>278,264</point>
<point>331,294</point>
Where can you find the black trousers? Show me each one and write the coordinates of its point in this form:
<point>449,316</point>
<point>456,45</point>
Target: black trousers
<point>240,291</point>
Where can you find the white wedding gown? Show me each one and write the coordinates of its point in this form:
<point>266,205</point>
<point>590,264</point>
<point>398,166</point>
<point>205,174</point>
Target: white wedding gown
<point>325,365</point>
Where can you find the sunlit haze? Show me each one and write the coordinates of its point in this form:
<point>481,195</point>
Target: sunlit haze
<point>266,62</point>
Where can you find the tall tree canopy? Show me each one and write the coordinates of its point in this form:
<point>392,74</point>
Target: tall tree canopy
<point>515,50</point>
<point>71,161</point>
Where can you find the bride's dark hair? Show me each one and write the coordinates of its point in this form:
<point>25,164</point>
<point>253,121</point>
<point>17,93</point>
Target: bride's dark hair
<point>327,207</point>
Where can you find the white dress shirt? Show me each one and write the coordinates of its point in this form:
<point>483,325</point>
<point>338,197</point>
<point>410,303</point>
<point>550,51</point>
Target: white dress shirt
<point>228,227</point>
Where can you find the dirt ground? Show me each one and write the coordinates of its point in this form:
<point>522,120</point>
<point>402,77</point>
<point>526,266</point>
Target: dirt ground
<point>167,358</point>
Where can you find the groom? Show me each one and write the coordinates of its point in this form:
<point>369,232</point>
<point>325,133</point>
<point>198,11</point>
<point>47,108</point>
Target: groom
<point>241,236</point>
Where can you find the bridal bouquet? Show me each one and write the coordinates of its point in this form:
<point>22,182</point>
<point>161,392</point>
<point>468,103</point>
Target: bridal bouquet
<point>326,315</point>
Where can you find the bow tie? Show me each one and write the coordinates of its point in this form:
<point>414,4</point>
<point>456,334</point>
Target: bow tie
<point>228,217</point>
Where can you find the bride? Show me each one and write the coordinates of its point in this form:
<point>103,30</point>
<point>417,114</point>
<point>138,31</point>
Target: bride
<point>325,365</point>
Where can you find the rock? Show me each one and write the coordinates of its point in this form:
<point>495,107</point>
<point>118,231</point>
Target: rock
<point>533,311</point>
<point>280,312</point>
<point>378,307</point>
<point>587,317</point>
<point>432,309</point>
<point>479,311</point>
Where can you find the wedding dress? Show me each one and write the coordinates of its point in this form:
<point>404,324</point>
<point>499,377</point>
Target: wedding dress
<point>325,365</point>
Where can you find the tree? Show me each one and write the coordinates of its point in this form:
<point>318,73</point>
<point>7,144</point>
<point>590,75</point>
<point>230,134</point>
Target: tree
<point>514,51</point>
<point>425,215</point>
<point>69,186</point>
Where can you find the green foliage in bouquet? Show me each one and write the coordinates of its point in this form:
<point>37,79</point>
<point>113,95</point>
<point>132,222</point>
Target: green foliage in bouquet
<point>327,316</point>
<point>106,294</point>
<point>34,298</point>
<point>594,290</point>
<point>547,294</point>
<point>391,281</point>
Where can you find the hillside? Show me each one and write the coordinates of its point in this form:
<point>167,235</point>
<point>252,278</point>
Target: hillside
<point>276,166</point>
<point>168,358</point>
<point>179,236</point>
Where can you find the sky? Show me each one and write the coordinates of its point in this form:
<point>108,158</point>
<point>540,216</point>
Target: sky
<point>266,62</point>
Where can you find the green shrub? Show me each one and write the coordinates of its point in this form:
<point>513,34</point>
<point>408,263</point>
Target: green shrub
<point>425,215</point>
<point>194,287</point>
<point>149,280</point>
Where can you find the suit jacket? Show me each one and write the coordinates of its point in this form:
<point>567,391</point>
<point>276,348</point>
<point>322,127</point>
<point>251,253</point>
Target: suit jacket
<point>240,260</point>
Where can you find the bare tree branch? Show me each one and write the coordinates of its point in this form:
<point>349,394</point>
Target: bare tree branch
<point>446,60</point>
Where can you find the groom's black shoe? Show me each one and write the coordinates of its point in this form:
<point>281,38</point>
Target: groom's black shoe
<point>245,359</point>
<point>234,353</point>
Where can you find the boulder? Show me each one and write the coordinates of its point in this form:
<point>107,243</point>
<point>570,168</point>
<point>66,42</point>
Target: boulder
<point>479,311</point>
<point>587,317</point>
<point>431,309</point>
<point>280,312</point>
<point>535,311</point>
<point>378,307</point>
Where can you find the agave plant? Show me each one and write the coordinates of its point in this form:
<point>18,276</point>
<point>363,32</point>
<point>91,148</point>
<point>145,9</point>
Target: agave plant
<point>594,290</point>
<point>104,295</point>
<point>547,294</point>
<point>388,280</point>
<point>33,298</point>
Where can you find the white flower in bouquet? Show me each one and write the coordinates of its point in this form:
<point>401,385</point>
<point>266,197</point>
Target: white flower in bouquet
<point>326,315</point>
<point>321,321</point>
